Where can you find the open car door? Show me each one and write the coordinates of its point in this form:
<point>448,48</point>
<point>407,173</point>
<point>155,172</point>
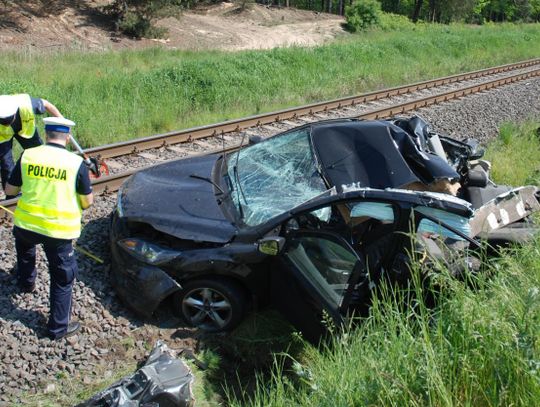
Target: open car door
<point>313,283</point>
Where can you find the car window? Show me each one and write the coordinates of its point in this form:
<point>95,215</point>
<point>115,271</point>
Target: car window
<point>381,211</point>
<point>359,222</point>
<point>429,227</point>
<point>373,226</point>
<point>325,262</point>
<point>274,176</point>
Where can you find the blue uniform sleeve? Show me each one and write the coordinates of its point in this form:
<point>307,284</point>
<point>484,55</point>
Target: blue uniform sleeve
<point>83,185</point>
<point>15,178</point>
<point>38,106</point>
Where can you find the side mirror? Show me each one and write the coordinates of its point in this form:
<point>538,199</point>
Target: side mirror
<point>476,150</point>
<point>271,245</point>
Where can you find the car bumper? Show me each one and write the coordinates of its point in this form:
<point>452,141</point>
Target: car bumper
<point>141,286</point>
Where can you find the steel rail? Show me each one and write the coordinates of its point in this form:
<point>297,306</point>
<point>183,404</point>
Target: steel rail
<point>113,182</point>
<point>195,133</point>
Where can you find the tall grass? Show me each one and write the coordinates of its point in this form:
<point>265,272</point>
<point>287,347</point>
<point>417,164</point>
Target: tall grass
<point>516,154</point>
<point>478,346</point>
<point>116,96</point>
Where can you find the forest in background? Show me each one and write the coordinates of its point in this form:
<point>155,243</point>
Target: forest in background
<point>134,17</point>
<point>440,11</point>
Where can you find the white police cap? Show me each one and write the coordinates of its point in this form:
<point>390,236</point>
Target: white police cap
<point>8,107</point>
<point>58,124</point>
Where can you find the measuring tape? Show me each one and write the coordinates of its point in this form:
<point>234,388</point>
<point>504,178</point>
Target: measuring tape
<point>75,246</point>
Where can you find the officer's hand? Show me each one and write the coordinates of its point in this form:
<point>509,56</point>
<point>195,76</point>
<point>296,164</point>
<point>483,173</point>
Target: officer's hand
<point>93,166</point>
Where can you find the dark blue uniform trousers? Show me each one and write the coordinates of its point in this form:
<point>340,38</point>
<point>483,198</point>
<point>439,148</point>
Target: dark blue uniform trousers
<point>62,268</point>
<point>6,155</point>
<point>6,161</point>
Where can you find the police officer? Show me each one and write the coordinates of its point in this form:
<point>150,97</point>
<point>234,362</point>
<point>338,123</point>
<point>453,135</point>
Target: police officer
<point>17,119</point>
<point>55,188</point>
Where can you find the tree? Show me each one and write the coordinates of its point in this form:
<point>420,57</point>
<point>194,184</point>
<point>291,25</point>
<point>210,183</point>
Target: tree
<point>389,6</point>
<point>134,17</point>
<point>455,10</point>
<point>535,10</point>
<point>362,14</point>
<point>416,12</point>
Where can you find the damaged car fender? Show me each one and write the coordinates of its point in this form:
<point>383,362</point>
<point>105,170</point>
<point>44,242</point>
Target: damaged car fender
<point>130,279</point>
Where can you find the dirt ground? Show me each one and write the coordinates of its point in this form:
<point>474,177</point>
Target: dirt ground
<point>81,24</point>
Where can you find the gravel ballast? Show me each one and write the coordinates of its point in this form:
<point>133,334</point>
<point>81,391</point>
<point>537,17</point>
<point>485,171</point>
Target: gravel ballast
<point>111,335</point>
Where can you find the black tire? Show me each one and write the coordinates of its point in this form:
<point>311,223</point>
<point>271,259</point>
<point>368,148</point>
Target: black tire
<point>212,305</point>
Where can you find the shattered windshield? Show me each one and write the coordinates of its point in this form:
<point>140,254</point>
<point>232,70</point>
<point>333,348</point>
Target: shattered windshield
<point>274,176</point>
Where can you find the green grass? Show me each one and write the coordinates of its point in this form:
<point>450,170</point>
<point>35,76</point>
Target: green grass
<point>516,154</point>
<point>69,391</point>
<point>116,96</point>
<point>479,346</point>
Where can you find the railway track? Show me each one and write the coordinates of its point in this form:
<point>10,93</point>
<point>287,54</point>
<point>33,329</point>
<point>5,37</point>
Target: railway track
<point>227,136</point>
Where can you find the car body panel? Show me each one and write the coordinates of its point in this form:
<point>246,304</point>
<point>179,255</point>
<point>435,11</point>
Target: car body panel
<point>237,259</point>
<point>505,209</point>
<point>303,295</point>
<point>130,279</point>
<point>172,201</point>
<point>164,379</point>
<point>357,151</point>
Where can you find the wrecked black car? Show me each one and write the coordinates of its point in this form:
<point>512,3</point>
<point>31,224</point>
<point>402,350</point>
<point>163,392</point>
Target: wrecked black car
<point>309,220</point>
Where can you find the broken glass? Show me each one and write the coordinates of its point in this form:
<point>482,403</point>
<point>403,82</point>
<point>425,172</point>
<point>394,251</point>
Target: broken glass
<point>274,176</point>
<point>457,222</point>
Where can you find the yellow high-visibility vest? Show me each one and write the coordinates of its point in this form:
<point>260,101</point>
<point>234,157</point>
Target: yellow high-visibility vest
<point>28,119</point>
<point>49,204</point>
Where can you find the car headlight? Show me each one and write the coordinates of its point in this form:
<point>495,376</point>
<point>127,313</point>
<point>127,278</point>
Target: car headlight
<point>148,252</point>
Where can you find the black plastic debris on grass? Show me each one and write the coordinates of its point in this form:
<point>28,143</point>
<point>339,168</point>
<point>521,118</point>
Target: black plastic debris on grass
<point>163,380</point>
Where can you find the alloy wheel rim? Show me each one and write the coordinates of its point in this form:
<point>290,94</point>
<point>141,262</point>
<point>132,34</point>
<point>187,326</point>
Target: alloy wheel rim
<point>207,308</point>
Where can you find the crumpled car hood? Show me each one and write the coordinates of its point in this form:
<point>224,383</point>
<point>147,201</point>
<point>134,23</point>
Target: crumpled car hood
<point>169,199</point>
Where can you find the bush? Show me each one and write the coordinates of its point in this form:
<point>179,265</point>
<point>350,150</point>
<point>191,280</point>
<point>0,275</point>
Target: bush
<point>395,22</point>
<point>134,24</point>
<point>134,17</point>
<point>363,14</point>
<point>244,4</point>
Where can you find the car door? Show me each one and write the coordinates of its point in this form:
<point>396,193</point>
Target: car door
<point>313,282</point>
<point>324,268</point>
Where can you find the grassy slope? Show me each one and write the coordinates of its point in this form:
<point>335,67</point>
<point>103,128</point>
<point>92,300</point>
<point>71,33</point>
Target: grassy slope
<point>479,347</point>
<point>118,96</point>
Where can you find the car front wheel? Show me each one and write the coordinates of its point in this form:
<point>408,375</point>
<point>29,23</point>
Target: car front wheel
<point>211,305</point>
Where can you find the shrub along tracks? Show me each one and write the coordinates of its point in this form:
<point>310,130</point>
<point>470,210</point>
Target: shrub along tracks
<point>125,158</point>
